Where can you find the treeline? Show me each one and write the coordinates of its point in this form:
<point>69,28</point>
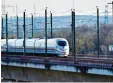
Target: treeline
<point>86,38</point>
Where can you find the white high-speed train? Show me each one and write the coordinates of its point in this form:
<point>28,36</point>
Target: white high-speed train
<point>55,46</point>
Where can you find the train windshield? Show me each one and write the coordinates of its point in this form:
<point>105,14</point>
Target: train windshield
<point>62,43</point>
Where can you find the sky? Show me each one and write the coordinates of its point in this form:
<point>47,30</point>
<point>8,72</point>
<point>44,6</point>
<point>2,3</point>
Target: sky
<point>57,7</point>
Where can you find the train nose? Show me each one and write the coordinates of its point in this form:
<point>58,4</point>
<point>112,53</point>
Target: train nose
<point>65,49</point>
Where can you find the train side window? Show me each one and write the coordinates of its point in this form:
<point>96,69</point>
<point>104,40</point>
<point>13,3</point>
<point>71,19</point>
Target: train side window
<point>62,43</point>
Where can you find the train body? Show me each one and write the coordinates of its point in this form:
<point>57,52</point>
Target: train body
<point>55,46</point>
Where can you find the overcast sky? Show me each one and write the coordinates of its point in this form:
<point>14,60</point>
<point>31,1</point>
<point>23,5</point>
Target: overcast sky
<point>58,7</point>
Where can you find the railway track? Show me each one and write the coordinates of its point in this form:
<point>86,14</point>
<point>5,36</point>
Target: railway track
<point>91,59</point>
<point>78,55</point>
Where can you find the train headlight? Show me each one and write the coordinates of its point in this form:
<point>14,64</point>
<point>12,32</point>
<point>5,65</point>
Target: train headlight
<point>65,49</point>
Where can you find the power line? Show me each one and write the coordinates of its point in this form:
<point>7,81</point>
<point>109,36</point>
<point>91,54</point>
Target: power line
<point>4,8</point>
<point>112,9</point>
<point>106,15</point>
<point>68,10</point>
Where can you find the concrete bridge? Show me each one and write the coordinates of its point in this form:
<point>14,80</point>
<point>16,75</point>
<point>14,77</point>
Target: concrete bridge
<point>27,68</point>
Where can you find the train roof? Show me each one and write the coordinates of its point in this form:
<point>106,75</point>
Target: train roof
<point>38,39</point>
